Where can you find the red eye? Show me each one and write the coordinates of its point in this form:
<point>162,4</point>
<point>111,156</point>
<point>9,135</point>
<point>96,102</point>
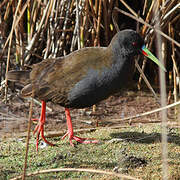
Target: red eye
<point>134,43</point>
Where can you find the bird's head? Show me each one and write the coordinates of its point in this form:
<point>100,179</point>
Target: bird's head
<point>131,44</point>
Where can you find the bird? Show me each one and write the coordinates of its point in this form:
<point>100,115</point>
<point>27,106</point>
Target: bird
<point>82,78</point>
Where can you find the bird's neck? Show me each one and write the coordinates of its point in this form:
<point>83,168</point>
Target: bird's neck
<point>122,60</point>
<point>120,54</point>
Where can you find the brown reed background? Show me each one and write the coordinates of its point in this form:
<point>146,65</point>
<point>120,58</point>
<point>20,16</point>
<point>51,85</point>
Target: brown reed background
<point>31,31</point>
<point>34,30</point>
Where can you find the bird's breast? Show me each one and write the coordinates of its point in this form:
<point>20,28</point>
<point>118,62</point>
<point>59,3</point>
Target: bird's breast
<point>97,85</point>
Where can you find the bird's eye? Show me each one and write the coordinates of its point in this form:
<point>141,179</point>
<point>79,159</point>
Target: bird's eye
<point>134,43</point>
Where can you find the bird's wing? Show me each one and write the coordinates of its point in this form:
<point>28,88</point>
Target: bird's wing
<point>52,79</point>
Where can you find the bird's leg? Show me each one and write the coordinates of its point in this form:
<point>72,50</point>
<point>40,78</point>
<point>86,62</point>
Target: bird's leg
<point>70,132</point>
<point>40,126</point>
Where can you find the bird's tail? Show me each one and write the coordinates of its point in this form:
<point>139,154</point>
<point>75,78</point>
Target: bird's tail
<point>22,77</point>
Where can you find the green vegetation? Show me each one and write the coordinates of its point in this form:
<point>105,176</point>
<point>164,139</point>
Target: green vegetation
<point>134,151</point>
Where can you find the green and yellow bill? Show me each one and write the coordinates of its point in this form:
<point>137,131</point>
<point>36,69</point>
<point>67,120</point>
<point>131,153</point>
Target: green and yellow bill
<point>148,54</point>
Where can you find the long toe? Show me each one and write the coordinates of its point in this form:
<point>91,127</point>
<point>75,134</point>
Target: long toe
<point>39,129</point>
<point>65,136</point>
<point>84,140</point>
<point>45,140</point>
<point>79,139</point>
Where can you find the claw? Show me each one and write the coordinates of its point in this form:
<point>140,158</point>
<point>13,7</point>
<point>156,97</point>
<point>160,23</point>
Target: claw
<point>78,139</point>
<point>70,132</point>
<point>39,129</point>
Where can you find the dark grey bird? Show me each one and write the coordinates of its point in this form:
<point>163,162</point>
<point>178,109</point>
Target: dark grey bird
<point>82,78</point>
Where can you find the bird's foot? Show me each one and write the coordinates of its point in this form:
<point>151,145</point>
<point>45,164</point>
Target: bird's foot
<point>39,129</point>
<point>78,139</point>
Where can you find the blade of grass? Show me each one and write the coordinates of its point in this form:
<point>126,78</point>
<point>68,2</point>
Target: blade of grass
<point>159,42</point>
<point>78,170</point>
<point>27,140</point>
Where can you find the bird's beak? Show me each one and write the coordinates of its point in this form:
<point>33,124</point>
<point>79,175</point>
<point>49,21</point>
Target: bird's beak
<point>148,54</point>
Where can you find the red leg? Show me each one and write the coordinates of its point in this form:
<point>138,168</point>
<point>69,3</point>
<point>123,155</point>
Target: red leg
<point>70,132</point>
<point>40,126</point>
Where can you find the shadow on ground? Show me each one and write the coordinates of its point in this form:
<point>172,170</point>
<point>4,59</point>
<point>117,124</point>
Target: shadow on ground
<point>146,138</point>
